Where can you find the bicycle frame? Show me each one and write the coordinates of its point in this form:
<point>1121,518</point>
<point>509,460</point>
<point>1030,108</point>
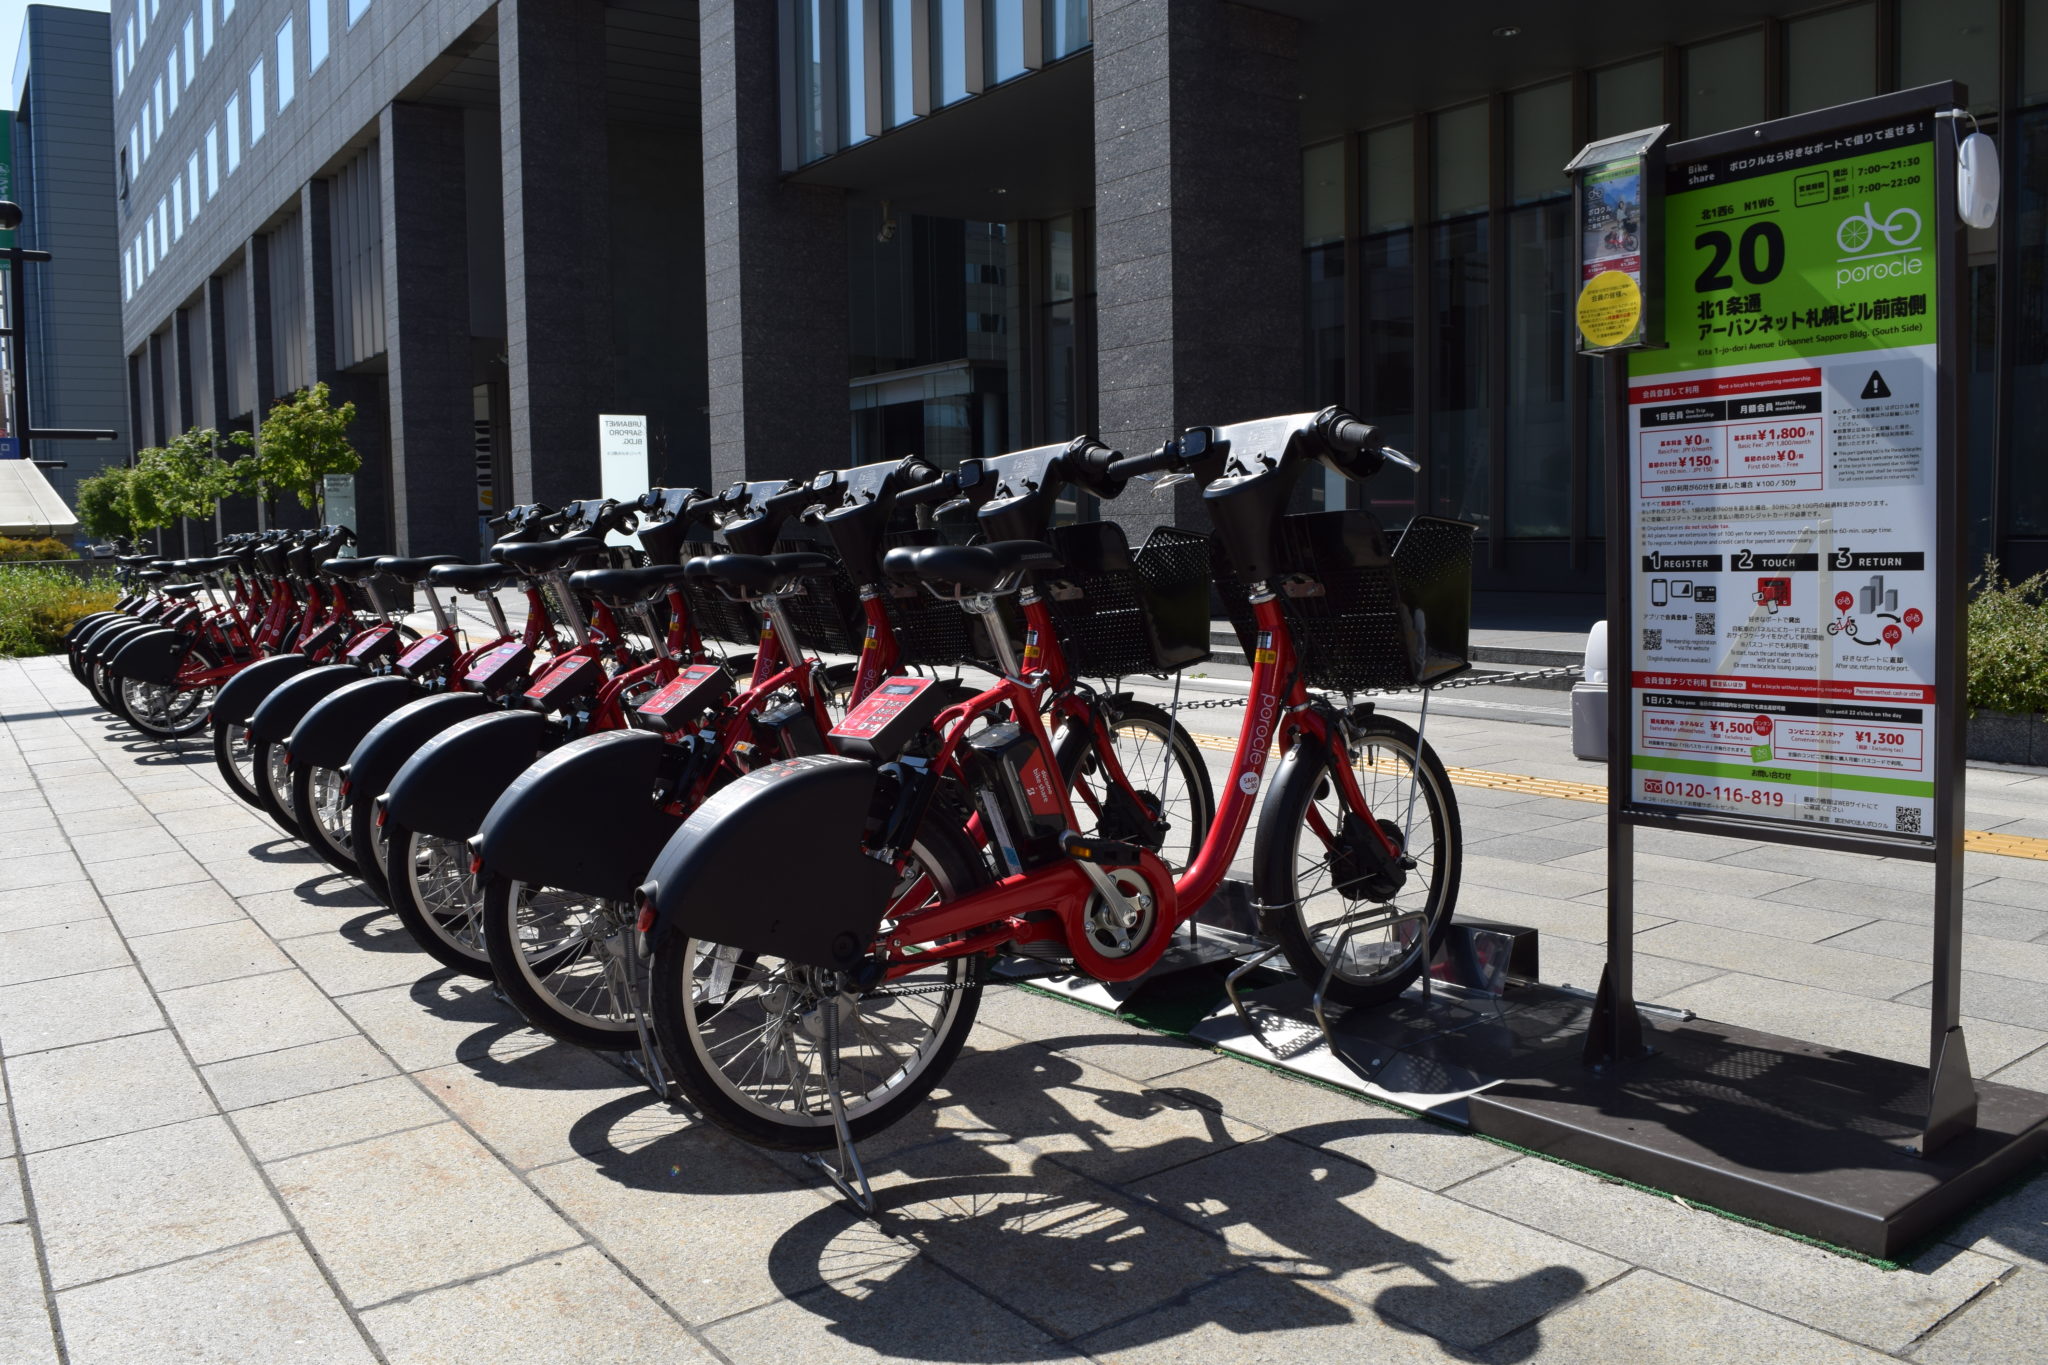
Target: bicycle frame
<point>1278,712</point>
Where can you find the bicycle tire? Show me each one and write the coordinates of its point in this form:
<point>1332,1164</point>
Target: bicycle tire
<point>1076,745</point>
<point>310,783</point>
<point>679,1019</point>
<point>234,755</point>
<point>1286,915</point>
<point>368,844</point>
<point>155,720</point>
<point>447,945</point>
<point>271,772</point>
<point>526,984</point>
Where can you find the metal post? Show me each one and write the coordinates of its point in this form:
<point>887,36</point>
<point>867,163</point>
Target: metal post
<point>1615,1032</point>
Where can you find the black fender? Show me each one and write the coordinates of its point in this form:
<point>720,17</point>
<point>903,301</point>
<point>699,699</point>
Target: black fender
<point>240,695</point>
<point>288,702</point>
<point>330,730</point>
<point>583,818</point>
<point>150,656</point>
<point>85,625</point>
<point>104,644</point>
<point>773,863</point>
<point>448,787</point>
<point>380,753</point>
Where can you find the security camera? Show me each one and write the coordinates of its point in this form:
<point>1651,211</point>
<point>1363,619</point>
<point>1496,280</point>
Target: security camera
<point>10,216</point>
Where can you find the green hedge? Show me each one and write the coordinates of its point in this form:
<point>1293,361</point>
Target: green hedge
<point>2008,643</point>
<point>38,605</point>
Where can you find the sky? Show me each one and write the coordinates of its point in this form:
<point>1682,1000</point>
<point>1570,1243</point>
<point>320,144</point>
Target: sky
<point>10,36</point>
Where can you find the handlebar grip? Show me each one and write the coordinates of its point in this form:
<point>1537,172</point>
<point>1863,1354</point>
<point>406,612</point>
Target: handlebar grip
<point>1130,466</point>
<point>938,490</point>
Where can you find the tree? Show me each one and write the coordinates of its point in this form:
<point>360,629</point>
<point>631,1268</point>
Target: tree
<point>302,441</point>
<point>121,501</point>
<point>188,477</point>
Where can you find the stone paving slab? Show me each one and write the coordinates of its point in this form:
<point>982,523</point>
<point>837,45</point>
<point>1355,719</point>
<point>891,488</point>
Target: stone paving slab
<point>321,1146</point>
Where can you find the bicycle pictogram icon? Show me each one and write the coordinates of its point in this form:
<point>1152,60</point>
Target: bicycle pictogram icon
<point>1900,228</point>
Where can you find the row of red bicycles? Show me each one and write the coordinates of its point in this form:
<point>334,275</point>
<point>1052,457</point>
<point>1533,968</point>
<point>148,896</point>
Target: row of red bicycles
<point>771,798</point>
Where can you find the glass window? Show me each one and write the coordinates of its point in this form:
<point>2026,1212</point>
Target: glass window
<point>1066,27</point>
<point>853,72</point>
<point>811,17</point>
<point>1002,38</point>
<point>2034,52</point>
<point>1951,40</point>
<point>120,76</point>
<point>1628,97</point>
<point>257,114</point>
<point>234,126</point>
<point>1830,58</point>
<point>1322,194</point>
<point>227,7</point>
<point>178,209</point>
<point>949,50</point>
<point>287,65</point>
<point>1724,83</point>
<point>899,103</point>
<point>213,161</point>
<point>147,139</point>
<point>205,26</point>
<point>356,10</point>
<point>192,182</point>
<point>142,31</point>
<point>1541,371</point>
<point>135,145</point>
<point>1389,155</point>
<point>1540,141</point>
<point>191,49</point>
<point>129,50</point>
<point>1459,148</point>
<point>316,34</point>
<point>1461,435</point>
<point>1387,363</point>
<point>1324,343</point>
<point>171,80</point>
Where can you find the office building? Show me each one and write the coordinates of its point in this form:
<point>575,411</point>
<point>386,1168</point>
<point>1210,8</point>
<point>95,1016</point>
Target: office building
<point>797,233</point>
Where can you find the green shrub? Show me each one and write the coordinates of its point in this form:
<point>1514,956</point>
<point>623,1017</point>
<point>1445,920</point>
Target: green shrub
<point>37,605</point>
<point>41,547</point>
<point>2008,642</point>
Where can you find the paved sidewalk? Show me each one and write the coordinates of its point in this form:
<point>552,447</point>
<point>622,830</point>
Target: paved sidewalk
<point>246,1120</point>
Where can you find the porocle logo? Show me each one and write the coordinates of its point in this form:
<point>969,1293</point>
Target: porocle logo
<point>1878,248</point>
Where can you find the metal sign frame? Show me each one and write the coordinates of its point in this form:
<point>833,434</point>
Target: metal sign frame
<point>1615,1035</point>
<point>1643,151</point>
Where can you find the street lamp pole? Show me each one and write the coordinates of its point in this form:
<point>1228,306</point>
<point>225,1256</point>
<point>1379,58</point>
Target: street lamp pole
<point>16,333</point>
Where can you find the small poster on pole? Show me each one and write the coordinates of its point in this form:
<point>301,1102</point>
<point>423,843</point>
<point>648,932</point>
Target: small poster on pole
<point>622,460</point>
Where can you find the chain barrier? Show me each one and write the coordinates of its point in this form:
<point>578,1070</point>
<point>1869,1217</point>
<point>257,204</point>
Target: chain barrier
<point>1520,679</point>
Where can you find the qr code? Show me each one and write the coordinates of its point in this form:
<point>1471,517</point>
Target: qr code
<point>1703,623</point>
<point>1653,639</point>
<point>1906,819</point>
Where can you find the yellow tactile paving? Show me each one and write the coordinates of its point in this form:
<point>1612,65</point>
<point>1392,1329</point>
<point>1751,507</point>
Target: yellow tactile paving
<point>1974,840</point>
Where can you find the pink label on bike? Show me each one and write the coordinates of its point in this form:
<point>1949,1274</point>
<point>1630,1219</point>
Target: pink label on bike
<point>880,707</point>
<point>485,670</point>
<point>560,675</point>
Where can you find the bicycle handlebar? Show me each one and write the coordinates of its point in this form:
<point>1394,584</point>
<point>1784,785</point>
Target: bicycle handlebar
<point>1130,466</point>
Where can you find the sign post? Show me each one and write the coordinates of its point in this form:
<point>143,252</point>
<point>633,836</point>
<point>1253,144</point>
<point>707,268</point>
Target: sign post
<point>1786,607</point>
<point>622,460</point>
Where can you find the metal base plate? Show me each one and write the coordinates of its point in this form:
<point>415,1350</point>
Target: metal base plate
<point>1806,1138</point>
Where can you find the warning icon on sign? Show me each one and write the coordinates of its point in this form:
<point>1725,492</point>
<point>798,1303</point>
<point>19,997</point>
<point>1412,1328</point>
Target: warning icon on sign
<point>1876,388</point>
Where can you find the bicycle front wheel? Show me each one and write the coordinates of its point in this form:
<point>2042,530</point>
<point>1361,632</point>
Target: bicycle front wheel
<point>1337,905</point>
<point>1165,802</point>
<point>568,962</point>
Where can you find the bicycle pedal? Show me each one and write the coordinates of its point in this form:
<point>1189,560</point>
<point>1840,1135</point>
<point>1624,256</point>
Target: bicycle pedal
<point>1102,852</point>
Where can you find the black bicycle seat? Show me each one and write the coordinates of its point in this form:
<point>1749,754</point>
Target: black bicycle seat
<point>150,575</point>
<point>760,573</point>
<point>182,589</point>
<point>627,585</point>
<point>410,570</point>
<point>133,560</point>
<point>977,568</point>
<point>468,577</point>
<point>539,556</point>
<point>353,570</point>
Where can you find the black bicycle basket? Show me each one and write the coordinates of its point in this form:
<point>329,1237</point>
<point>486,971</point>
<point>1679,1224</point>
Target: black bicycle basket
<point>827,614</point>
<point>1365,617</point>
<point>716,616</point>
<point>1118,613</point>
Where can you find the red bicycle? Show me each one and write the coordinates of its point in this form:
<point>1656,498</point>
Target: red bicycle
<point>831,1017</point>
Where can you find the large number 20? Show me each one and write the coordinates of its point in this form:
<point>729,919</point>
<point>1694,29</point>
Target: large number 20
<point>1761,256</point>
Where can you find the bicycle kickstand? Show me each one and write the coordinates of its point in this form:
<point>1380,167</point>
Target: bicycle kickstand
<point>652,1073</point>
<point>857,1191</point>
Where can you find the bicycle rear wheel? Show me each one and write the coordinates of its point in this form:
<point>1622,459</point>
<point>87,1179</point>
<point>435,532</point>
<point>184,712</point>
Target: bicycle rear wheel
<point>569,962</point>
<point>745,1036</point>
<point>326,818</point>
<point>234,753</point>
<point>273,782</point>
<point>165,711</point>
<point>437,897</point>
<point>1326,895</point>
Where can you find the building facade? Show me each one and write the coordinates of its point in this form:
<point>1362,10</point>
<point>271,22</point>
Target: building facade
<point>798,233</point>
<point>63,176</point>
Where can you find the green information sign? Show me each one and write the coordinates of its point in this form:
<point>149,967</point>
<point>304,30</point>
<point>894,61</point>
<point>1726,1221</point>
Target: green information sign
<point>1783,444</point>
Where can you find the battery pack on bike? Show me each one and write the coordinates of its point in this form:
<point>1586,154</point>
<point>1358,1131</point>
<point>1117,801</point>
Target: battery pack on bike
<point>1018,792</point>
<point>499,670</point>
<point>566,682</point>
<point>887,719</point>
<point>377,643</point>
<point>786,731</point>
<point>689,695</point>
<point>322,639</point>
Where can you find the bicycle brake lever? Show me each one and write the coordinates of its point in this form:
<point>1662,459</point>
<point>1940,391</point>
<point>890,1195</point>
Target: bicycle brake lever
<point>1162,482</point>
<point>1409,463</point>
